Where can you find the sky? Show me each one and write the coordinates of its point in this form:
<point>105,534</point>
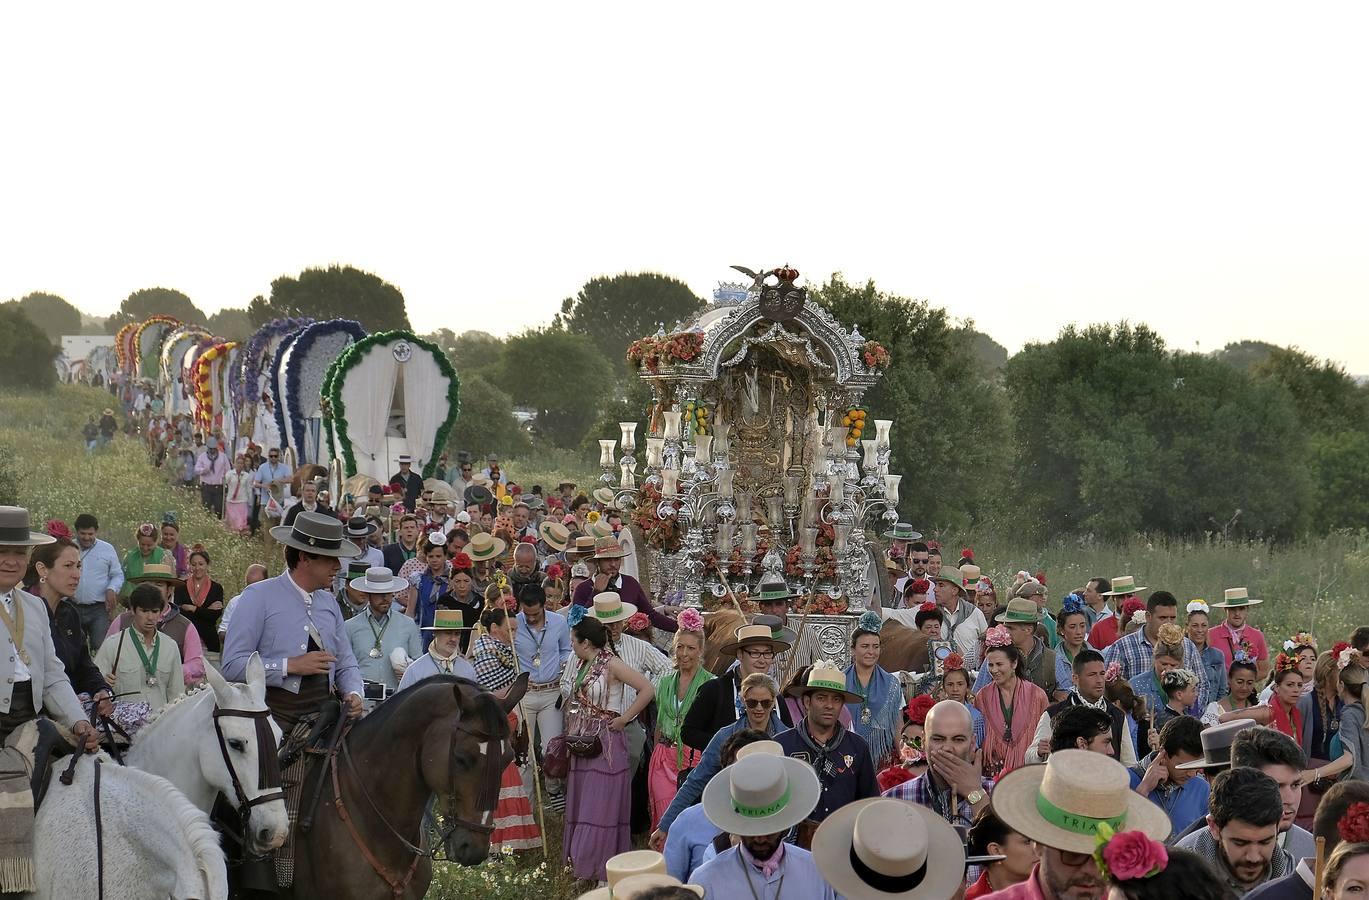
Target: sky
<point>1198,167</point>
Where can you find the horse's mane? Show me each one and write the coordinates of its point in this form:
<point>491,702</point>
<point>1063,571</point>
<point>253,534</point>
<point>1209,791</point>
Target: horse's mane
<point>177,704</point>
<point>193,823</point>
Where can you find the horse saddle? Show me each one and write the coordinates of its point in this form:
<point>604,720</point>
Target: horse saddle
<point>50,747</point>
<point>318,736</point>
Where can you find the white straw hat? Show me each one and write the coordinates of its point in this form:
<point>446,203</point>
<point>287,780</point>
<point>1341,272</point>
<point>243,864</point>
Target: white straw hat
<point>879,849</point>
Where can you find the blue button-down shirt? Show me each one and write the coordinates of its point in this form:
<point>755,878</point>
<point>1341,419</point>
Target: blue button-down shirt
<point>688,841</point>
<point>101,571</point>
<point>395,630</point>
<point>266,473</point>
<point>1135,653</point>
<point>272,618</point>
<point>551,641</point>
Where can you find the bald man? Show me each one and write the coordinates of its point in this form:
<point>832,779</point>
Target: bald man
<point>952,786</point>
<point>255,572</point>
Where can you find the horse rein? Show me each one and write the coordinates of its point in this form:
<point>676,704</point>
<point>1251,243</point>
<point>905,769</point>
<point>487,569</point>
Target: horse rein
<point>489,796</point>
<point>268,765</point>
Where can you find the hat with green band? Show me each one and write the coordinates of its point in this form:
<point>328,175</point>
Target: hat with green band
<point>609,608</point>
<point>1020,611</point>
<point>824,676</point>
<point>1062,803</point>
<point>778,632</point>
<point>773,589</point>
<point>902,532</point>
<point>760,795</point>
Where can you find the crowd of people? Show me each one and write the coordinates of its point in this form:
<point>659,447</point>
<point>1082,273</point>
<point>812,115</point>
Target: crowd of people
<point>1120,742</point>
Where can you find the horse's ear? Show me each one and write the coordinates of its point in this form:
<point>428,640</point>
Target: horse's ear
<point>256,677</point>
<point>216,681</point>
<point>515,693</point>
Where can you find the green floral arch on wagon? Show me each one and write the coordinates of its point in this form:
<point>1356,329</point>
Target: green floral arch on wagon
<point>335,410</point>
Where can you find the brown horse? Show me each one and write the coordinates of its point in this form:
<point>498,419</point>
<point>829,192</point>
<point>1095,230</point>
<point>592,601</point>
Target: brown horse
<point>307,472</point>
<point>902,649</point>
<point>444,737</point>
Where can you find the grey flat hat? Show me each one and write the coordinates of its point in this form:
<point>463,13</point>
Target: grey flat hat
<point>317,534</point>
<point>14,529</point>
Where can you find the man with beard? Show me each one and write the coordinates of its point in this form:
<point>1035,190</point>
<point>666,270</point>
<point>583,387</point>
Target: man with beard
<point>952,771</point>
<point>839,757</point>
<point>1058,806</point>
<point>759,801</point>
<point>1240,842</point>
<point>961,621</point>
<point>608,557</point>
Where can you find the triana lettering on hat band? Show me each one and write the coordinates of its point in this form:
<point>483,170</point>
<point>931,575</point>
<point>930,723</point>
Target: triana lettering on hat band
<point>889,884</point>
<point>839,687</point>
<point>605,613</point>
<point>1074,821</point>
<point>760,812</point>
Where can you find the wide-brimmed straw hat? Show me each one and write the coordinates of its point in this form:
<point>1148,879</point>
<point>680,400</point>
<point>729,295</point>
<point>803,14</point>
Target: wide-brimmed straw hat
<point>603,495</point>
<point>1062,803</point>
<point>1236,597</point>
<point>969,574</point>
<point>883,848</point>
<point>583,546</point>
<point>1124,586</point>
<point>317,534</point>
<point>1019,611</point>
<point>485,546</point>
<point>1217,742</point>
<point>378,580</point>
<point>633,873</point>
<point>608,547</point>
<point>749,636</point>
<point>554,534</point>
<point>449,620</point>
<point>14,529</point>
<point>761,795</point>
<point>599,530</point>
<point>609,608</point>
<point>824,676</point>
<point>160,572</point>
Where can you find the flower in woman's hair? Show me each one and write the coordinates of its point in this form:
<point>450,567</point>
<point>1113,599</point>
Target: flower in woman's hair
<point>1112,672</point>
<point>1127,855</point>
<point>1138,617</point>
<point>1348,656</point>
<point>921,586</point>
<point>58,529</point>
<point>927,607</point>
<point>1299,640</point>
<point>869,622</point>
<point>1338,646</point>
<point>1170,634</point>
<point>575,615</point>
<point>1242,655</point>
<point>637,623</point>
<point>690,620</point>
<point>1073,603</point>
<point>918,707</point>
<point>1130,607</point>
<point>593,516</point>
<point>1177,680</point>
<point>997,636</point>
<point>952,662</point>
<point>1285,662</point>
<point>892,776</point>
<point>1354,825</point>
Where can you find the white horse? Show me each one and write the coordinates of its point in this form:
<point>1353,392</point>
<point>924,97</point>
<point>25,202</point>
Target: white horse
<point>155,844</point>
<point>181,745</point>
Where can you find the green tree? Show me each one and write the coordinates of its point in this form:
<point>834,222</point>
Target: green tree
<point>146,302</point>
<point>614,311</point>
<point>1340,475</point>
<point>231,324</point>
<point>337,292</point>
<point>1327,398</point>
<point>990,355</point>
<point>27,352</point>
<point>1113,435</point>
<point>474,352</point>
<point>562,377</point>
<point>55,316</point>
<point>487,424</point>
<point>950,424</point>
<point>1245,355</point>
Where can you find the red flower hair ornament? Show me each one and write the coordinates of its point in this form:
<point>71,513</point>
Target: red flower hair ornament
<point>918,707</point>
<point>1354,825</point>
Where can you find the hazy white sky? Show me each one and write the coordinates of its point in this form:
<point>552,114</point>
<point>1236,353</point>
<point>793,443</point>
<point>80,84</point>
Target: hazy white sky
<point>1201,167</point>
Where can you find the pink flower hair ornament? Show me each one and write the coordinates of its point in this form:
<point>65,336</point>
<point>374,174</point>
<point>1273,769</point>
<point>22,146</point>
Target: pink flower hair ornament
<point>690,620</point>
<point>1112,672</point>
<point>997,636</point>
<point>1128,855</point>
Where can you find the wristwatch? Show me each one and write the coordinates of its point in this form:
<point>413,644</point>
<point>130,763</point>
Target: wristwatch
<point>975,797</point>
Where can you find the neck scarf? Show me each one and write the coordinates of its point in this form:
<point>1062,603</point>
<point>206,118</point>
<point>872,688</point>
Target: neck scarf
<point>1289,723</point>
<point>671,710</point>
<point>820,751</point>
<point>999,755</point>
<point>878,718</point>
<point>766,867</point>
<point>197,594</point>
<point>1077,699</point>
<point>444,663</point>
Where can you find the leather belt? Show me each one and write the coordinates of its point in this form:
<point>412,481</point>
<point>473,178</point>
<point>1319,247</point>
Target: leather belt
<point>545,686</point>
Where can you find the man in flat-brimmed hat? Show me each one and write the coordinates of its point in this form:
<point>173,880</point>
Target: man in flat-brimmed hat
<point>1108,625</point>
<point>1060,806</point>
<point>1236,634</point>
<point>882,849</point>
<point>32,677</point>
<point>962,622</point>
<point>1022,617</point>
<point>839,757</point>
<point>444,653</point>
<point>608,558</point>
<point>296,626</point>
<point>411,480</point>
<point>760,799</point>
<point>719,702</point>
<point>379,633</point>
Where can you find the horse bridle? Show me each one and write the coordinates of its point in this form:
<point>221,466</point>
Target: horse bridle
<point>489,798</point>
<point>268,765</point>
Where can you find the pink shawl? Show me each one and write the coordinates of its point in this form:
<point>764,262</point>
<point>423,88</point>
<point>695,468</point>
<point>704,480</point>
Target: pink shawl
<point>1029,702</point>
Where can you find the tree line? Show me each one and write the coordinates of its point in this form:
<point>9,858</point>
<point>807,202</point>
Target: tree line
<point>1103,430</point>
